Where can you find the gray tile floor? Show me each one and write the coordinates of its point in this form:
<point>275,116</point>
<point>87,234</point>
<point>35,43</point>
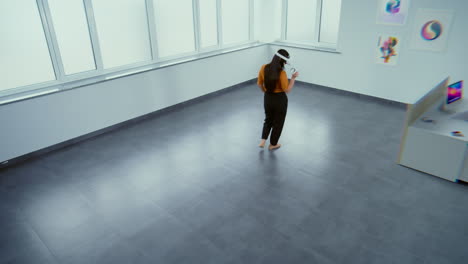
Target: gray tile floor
<point>191,186</point>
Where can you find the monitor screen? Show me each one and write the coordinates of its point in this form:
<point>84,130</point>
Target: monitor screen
<point>454,92</point>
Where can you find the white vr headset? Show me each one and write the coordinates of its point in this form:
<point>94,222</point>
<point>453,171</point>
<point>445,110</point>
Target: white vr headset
<point>281,56</point>
<point>288,61</point>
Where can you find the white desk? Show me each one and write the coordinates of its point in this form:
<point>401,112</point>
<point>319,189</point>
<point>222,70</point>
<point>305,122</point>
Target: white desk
<point>431,148</point>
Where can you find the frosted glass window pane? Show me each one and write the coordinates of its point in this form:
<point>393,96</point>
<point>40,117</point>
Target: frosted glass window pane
<point>330,20</point>
<point>25,58</point>
<point>208,23</point>
<point>123,31</point>
<point>258,17</point>
<point>71,29</point>
<point>174,27</point>
<point>301,20</point>
<point>235,21</point>
<point>267,20</point>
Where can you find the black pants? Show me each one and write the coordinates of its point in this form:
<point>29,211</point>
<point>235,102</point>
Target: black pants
<point>276,106</point>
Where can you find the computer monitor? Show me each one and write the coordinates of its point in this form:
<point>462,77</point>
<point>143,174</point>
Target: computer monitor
<point>454,92</point>
<point>453,101</point>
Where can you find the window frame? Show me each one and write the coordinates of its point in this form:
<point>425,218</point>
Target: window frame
<point>316,44</point>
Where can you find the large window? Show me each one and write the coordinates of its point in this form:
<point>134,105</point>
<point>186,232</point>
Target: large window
<point>50,42</point>
<point>24,54</point>
<point>235,21</point>
<point>174,27</point>
<point>72,33</point>
<point>122,28</point>
<point>312,22</point>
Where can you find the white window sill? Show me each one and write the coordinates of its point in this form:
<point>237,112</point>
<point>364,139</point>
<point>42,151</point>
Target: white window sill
<point>24,93</point>
<point>317,47</point>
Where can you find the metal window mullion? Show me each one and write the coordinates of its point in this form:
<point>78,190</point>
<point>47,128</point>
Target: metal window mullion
<point>196,24</point>
<point>220,23</point>
<point>284,19</point>
<point>251,20</point>
<point>93,34</point>
<point>318,21</point>
<point>152,30</point>
<point>51,39</point>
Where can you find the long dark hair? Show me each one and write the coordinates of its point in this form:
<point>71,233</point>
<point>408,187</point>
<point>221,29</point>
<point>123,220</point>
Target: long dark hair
<point>273,70</point>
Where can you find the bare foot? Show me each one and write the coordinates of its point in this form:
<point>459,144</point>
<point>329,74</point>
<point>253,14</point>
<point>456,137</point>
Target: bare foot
<point>272,147</point>
<point>262,143</point>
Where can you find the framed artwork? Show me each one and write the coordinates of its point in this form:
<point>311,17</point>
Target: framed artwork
<point>431,29</point>
<point>392,12</point>
<point>388,49</point>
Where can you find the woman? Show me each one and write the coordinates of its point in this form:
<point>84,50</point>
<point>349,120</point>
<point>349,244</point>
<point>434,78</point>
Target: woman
<point>273,81</point>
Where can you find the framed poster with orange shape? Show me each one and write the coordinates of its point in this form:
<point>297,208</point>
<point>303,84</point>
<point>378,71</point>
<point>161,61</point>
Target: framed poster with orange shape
<point>388,49</point>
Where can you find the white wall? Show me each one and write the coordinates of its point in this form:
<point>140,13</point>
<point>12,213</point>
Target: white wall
<point>41,122</point>
<point>355,68</point>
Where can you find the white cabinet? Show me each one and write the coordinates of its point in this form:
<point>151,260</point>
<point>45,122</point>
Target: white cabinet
<point>439,155</point>
<point>428,143</point>
<point>464,173</point>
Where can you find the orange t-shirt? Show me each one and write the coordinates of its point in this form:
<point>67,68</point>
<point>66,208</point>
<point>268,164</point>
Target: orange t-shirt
<point>281,86</point>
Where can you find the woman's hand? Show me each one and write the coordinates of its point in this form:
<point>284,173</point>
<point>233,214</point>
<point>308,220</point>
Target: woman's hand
<point>295,75</point>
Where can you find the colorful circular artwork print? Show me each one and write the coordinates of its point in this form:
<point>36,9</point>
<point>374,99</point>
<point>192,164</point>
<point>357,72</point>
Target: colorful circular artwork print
<point>431,30</point>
